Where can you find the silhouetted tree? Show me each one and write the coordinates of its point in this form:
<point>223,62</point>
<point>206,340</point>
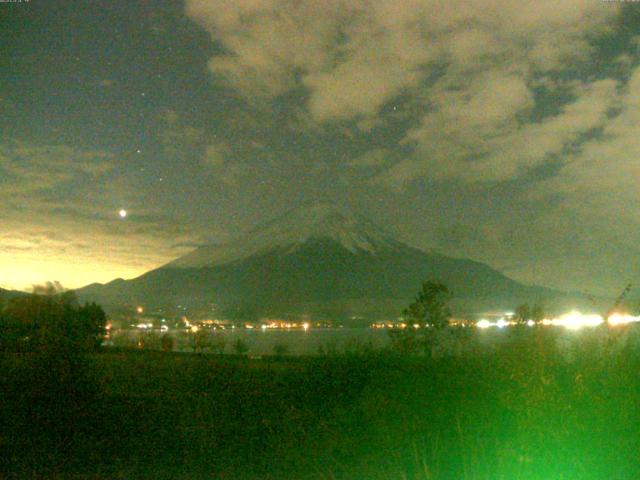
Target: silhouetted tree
<point>55,387</point>
<point>91,322</point>
<point>425,318</point>
<point>537,313</point>
<point>522,314</point>
<point>430,308</point>
<point>53,321</point>
<point>4,332</point>
<point>49,288</point>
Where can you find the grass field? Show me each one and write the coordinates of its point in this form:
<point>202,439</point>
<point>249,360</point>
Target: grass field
<point>541,406</point>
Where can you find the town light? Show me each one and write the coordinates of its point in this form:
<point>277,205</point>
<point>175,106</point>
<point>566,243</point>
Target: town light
<point>576,320</point>
<point>621,319</point>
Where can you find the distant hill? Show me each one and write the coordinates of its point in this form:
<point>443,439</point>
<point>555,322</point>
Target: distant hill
<point>9,294</point>
<point>320,260</point>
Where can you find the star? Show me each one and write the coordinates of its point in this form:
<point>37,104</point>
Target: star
<point>122,213</point>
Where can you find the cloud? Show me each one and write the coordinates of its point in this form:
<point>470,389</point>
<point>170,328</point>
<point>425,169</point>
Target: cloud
<point>599,183</point>
<point>28,170</point>
<point>222,170</point>
<point>400,174</point>
<point>231,167</point>
<point>75,250</point>
<point>178,139</point>
<point>372,159</point>
<point>476,135</point>
<point>215,155</point>
<point>579,228</point>
<point>353,56</point>
<point>59,218</point>
<point>267,41</point>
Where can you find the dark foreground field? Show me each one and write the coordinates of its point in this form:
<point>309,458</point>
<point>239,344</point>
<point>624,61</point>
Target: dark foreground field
<point>544,406</point>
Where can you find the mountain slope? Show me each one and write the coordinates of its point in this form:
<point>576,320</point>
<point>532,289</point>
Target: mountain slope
<point>6,295</point>
<point>319,260</point>
<point>320,220</point>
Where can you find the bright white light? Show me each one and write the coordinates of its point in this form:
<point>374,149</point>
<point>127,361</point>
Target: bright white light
<point>122,213</point>
<point>621,319</point>
<point>573,321</point>
<point>576,320</point>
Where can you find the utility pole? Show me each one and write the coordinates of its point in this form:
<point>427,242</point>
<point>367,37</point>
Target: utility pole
<point>618,301</point>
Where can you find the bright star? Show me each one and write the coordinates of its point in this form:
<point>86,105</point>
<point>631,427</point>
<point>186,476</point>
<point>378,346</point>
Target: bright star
<point>122,213</point>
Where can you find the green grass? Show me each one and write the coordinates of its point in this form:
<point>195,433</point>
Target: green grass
<point>541,406</point>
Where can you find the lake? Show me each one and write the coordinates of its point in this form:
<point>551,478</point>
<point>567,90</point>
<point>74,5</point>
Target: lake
<point>263,342</point>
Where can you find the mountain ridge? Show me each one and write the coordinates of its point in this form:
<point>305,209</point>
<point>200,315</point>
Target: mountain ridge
<point>319,260</point>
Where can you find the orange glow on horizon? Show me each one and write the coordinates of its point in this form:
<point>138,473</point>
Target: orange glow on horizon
<point>18,273</point>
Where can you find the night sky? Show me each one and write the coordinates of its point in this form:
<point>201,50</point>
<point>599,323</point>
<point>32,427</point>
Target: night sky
<point>503,131</point>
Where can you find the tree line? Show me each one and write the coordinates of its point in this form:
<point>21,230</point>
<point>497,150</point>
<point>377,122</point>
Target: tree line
<point>50,320</point>
<point>427,319</point>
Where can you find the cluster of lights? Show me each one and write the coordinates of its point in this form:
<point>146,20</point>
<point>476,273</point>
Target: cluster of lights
<point>149,326</point>
<point>247,326</point>
<point>281,325</point>
<point>454,322</point>
<point>379,325</point>
<point>573,320</point>
<point>401,325</point>
<point>501,323</point>
<point>620,319</point>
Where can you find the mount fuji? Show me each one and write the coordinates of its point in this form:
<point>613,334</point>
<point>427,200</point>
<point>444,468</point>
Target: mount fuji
<point>320,260</point>
<point>290,232</point>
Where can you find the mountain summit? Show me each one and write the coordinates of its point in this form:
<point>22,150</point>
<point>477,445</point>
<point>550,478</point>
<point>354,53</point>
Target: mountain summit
<point>310,221</point>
